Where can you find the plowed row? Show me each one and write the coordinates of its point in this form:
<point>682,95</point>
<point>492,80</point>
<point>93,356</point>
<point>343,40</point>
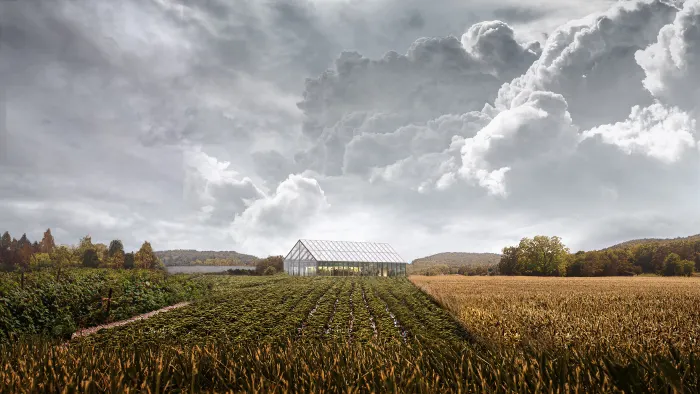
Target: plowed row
<point>299,309</point>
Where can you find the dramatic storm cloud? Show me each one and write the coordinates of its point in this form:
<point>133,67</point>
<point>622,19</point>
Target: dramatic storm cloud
<point>436,126</point>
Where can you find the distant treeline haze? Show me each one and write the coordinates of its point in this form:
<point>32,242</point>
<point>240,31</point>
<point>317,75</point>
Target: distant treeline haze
<point>187,257</point>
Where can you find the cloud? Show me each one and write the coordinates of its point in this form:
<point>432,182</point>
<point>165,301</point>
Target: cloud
<point>591,62</point>
<point>379,108</point>
<point>439,125</point>
<point>671,64</point>
<point>656,131</point>
<point>219,192</point>
<point>539,129</point>
<point>296,202</point>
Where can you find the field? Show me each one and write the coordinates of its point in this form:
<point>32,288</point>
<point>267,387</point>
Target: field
<point>329,335</point>
<point>640,314</point>
<point>259,309</point>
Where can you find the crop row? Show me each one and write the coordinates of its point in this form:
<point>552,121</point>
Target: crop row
<point>283,308</point>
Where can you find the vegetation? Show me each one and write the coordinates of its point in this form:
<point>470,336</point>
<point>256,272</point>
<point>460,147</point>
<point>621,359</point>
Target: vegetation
<point>55,306</point>
<point>656,241</point>
<point>596,315</point>
<point>270,265</point>
<point>277,308</point>
<point>281,334</point>
<point>547,256</point>
<point>194,257</point>
<point>23,255</point>
<point>454,263</point>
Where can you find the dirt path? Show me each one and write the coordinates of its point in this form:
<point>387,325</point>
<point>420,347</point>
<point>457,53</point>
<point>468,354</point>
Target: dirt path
<point>92,330</point>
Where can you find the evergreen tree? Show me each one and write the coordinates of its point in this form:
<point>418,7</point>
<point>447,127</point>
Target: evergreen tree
<point>5,245</point>
<point>5,242</point>
<point>47,243</point>
<point>23,241</point>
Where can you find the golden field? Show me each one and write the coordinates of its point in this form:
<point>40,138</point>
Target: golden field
<point>629,314</point>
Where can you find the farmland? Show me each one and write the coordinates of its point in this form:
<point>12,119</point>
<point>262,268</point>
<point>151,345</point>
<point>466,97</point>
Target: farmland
<point>302,309</point>
<point>285,334</point>
<point>640,314</point>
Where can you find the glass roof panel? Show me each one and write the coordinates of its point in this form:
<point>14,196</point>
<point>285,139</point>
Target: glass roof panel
<point>341,251</point>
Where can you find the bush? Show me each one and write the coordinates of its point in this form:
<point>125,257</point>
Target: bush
<point>270,271</point>
<point>277,262</point>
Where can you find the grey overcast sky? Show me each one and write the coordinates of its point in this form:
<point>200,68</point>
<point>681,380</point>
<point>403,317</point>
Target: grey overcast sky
<point>439,125</point>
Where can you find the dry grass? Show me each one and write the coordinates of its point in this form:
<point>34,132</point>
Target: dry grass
<point>626,314</point>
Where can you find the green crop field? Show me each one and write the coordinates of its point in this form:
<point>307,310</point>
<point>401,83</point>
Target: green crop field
<point>301,309</point>
<point>329,335</point>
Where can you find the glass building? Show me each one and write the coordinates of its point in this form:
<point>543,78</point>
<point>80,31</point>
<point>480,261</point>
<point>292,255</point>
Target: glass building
<point>337,258</point>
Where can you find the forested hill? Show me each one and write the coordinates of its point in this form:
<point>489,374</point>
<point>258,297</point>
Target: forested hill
<point>456,259</point>
<point>182,257</point>
<point>658,241</point>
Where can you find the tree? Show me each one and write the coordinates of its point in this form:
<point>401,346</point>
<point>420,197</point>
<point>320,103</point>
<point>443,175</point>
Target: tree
<point>85,243</point>
<point>509,261</point>
<point>271,261</point>
<point>39,261</point>
<point>542,255</point>
<point>672,265</point>
<point>47,242</point>
<point>62,258</point>
<point>145,258</point>
<point>688,267</point>
<point>25,251</point>
<point>101,250</point>
<point>115,254</point>
<point>5,241</point>
<point>90,258</point>
<point>115,247</point>
<point>129,261</point>
<point>5,245</point>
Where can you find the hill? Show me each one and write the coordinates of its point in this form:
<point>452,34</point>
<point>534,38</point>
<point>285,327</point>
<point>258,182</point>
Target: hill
<point>661,241</point>
<point>184,257</point>
<point>458,259</point>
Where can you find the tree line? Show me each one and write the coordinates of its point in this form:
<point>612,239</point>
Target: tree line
<point>25,255</point>
<point>186,257</point>
<point>548,256</point>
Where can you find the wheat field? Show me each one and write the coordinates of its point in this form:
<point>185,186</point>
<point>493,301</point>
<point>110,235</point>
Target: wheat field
<point>630,314</point>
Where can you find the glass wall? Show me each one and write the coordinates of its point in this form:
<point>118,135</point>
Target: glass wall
<point>344,268</point>
<point>300,262</point>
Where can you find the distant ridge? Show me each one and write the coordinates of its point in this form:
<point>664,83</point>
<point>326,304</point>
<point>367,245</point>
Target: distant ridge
<point>458,259</point>
<point>640,241</point>
<point>184,257</point>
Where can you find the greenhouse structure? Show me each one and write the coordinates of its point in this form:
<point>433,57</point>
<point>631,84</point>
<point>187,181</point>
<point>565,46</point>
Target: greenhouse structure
<point>338,258</point>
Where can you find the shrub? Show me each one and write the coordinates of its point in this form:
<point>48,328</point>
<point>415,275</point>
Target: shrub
<point>272,261</point>
<point>270,270</point>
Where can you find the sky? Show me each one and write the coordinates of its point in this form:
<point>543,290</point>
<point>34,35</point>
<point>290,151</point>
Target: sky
<point>441,126</point>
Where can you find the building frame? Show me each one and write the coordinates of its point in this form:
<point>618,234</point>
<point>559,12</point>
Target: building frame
<point>341,258</point>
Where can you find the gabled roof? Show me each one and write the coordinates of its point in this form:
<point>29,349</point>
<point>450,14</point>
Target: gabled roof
<point>368,252</point>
